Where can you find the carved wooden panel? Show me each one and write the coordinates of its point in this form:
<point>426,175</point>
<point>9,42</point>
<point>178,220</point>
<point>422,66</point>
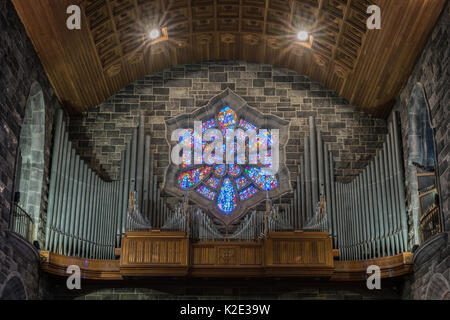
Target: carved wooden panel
<point>151,253</point>
<point>290,249</point>
<point>233,254</point>
<point>284,254</point>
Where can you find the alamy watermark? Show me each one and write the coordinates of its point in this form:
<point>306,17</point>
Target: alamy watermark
<point>73,22</point>
<point>74,280</point>
<point>263,147</point>
<point>374,280</point>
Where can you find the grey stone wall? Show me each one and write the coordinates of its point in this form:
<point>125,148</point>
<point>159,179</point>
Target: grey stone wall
<point>100,134</point>
<point>20,68</point>
<point>231,289</point>
<point>433,71</point>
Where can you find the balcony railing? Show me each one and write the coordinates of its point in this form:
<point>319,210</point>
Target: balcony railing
<point>22,223</point>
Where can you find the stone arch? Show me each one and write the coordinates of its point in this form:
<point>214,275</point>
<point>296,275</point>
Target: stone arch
<point>438,288</point>
<point>13,288</point>
<point>31,160</point>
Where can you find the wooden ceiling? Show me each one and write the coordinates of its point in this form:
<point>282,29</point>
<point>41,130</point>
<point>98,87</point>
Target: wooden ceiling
<point>367,67</point>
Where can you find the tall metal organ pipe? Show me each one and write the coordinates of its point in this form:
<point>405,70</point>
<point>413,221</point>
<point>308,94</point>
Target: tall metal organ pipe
<point>366,217</point>
<point>87,216</point>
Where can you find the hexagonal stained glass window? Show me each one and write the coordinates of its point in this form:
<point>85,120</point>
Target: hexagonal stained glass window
<point>228,190</point>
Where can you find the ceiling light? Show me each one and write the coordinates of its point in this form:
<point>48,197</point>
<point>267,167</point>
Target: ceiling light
<point>303,36</point>
<point>155,34</point>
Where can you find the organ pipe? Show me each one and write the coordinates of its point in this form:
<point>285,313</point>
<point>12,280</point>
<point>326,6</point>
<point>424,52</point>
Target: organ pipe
<point>87,215</point>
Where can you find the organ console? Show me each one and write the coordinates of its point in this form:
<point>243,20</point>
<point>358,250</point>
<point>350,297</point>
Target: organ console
<point>88,217</point>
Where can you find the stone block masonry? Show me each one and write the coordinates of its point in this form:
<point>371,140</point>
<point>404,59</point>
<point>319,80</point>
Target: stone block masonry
<point>20,68</point>
<point>432,260</point>
<point>101,133</point>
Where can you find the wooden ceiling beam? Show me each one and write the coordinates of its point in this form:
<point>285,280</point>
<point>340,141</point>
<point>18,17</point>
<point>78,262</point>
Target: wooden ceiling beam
<point>86,66</point>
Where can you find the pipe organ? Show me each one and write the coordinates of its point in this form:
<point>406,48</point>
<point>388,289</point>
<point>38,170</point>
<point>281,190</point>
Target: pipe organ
<point>88,217</point>
<point>371,210</point>
<point>367,217</point>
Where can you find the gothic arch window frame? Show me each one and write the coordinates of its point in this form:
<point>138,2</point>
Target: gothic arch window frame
<point>421,127</point>
<point>244,112</point>
<point>11,277</point>
<point>32,144</point>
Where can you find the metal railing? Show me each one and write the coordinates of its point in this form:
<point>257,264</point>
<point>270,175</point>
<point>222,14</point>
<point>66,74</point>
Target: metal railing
<point>22,223</point>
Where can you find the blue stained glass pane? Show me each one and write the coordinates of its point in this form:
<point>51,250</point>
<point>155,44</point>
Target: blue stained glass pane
<point>220,170</point>
<point>227,118</point>
<point>208,124</point>
<point>265,182</point>
<point>247,193</point>
<point>241,182</point>
<point>227,200</point>
<point>206,192</point>
<point>247,125</point>
<point>234,170</point>
<point>213,182</point>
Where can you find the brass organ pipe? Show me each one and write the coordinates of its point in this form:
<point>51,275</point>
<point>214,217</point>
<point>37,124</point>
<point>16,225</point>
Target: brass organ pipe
<point>393,186</point>
<point>116,214</point>
<point>85,212</point>
<point>70,200</point>
<point>89,212</point>
<point>61,184</point>
<point>154,210</point>
<point>345,224</point>
<point>365,209</point>
<point>140,165</point>
<point>328,198</point>
<point>333,197</point>
<point>303,185</point>
<point>67,192</point>
<point>313,159</point>
<point>150,190</point>
<point>320,164</point>
<point>400,181</point>
<point>354,221</point>
<point>387,187</point>
<point>307,166</point>
<point>80,219</point>
<point>294,220</point>
<point>384,202</point>
<point>75,203</point>
<point>376,210</point>
<point>109,219</point>
<point>145,199</point>
<point>54,176</point>
<point>100,221</point>
<point>126,188</point>
<point>380,206</point>
<point>340,218</point>
<point>106,219</point>
<point>133,161</point>
<point>121,198</point>
<point>361,215</point>
<point>62,189</point>
<point>158,208</point>
<point>299,202</point>
<point>93,221</point>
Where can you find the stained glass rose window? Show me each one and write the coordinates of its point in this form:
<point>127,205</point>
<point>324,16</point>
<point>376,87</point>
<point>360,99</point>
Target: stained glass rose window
<point>228,189</point>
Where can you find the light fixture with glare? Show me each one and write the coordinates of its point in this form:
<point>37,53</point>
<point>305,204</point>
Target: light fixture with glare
<point>303,36</point>
<point>155,34</point>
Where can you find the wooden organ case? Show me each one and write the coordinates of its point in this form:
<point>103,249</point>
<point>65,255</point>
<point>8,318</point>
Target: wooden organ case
<point>314,236</point>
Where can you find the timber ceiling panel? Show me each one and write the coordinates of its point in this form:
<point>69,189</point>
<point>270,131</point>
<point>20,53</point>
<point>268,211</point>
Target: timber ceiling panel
<point>367,67</point>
